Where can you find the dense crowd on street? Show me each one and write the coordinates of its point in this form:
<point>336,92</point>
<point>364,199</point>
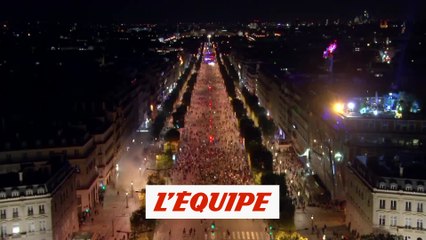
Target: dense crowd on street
<point>210,149</point>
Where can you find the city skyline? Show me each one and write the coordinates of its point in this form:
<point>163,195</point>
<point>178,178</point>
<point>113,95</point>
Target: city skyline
<point>323,99</point>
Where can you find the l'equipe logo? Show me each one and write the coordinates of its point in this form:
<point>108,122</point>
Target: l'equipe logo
<point>212,202</point>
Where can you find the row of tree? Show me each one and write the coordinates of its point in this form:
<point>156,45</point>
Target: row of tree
<point>139,224</point>
<point>266,124</point>
<point>260,156</point>
<point>179,114</point>
<point>168,104</point>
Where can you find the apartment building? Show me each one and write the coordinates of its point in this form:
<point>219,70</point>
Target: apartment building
<point>386,202</point>
<point>37,200</point>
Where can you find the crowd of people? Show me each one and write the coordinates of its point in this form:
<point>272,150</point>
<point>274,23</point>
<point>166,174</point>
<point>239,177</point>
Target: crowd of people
<point>287,162</point>
<point>211,151</point>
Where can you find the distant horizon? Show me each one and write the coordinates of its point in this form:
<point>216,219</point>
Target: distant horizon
<point>174,22</point>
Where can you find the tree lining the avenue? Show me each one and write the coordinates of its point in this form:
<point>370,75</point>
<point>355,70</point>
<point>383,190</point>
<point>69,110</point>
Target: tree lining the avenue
<point>260,158</point>
<point>266,124</point>
<point>179,114</point>
<point>167,107</point>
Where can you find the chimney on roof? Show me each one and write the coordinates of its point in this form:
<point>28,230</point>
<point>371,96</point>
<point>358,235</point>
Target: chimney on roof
<point>401,171</point>
<point>21,177</point>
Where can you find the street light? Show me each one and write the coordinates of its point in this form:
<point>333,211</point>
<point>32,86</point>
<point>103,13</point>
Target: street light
<point>338,107</point>
<point>127,200</point>
<point>131,188</point>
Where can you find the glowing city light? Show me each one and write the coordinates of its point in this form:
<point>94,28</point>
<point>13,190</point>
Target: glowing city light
<point>328,53</point>
<point>385,56</point>
<point>351,106</point>
<point>338,156</point>
<point>338,107</point>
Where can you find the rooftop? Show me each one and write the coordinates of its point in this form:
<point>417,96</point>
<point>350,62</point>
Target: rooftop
<point>398,167</point>
<point>37,135</point>
<point>45,175</point>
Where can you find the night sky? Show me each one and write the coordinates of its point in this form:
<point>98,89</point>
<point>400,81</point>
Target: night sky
<point>140,11</point>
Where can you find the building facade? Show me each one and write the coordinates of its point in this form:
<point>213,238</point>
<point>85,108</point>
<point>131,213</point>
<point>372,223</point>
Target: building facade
<point>37,203</point>
<point>392,205</point>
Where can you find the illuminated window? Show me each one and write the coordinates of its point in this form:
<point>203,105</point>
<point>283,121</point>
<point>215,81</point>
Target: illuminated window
<point>15,229</point>
<point>415,142</point>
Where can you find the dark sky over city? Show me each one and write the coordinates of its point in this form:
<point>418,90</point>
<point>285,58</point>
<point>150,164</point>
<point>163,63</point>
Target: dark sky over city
<point>203,10</point>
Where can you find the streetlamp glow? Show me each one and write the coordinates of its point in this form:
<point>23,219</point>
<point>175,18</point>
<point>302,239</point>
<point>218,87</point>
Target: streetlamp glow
<point>338,107</point>
<point>338,156</point>
<point>351,106</point>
